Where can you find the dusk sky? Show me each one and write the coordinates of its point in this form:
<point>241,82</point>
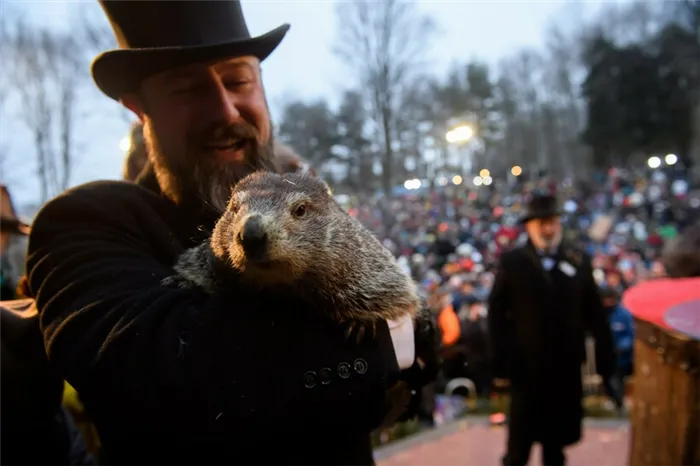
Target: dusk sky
<point>304,66</point>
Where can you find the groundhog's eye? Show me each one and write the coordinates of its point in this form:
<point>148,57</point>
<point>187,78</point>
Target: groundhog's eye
<point>300,210</point>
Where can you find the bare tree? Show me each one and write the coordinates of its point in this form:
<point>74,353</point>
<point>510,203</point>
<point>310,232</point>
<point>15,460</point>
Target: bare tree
<point>564,73</point>
<point>30,76</point>
<point>8,167</point>
<point>4,93</point>
<point>522,99</point>
<point>383,42</point>
<point>46,69</point>
<point>94,32</point>
<point>67,73</point>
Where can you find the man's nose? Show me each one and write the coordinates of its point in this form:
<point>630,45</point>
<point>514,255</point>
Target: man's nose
<point>222,104</point>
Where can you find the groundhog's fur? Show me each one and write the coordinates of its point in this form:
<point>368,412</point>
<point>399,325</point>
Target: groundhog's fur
<point>324,256</point>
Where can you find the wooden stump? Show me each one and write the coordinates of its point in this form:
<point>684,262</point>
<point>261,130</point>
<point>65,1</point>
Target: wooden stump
<point>666,399</point>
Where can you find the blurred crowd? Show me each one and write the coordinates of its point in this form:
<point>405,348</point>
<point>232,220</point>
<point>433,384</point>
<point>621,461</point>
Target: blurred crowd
<point>449,238</point>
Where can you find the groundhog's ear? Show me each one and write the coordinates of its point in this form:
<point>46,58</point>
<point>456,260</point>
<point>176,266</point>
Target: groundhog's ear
<point>287,162</point>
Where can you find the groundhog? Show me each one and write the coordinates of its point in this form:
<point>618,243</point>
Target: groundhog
<point>287,234</point>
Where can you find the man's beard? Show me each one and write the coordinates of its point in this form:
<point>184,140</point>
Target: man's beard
<point>196,173</point>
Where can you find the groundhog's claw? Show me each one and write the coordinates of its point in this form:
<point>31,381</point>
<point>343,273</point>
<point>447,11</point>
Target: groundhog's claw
<point>177,281</point>
<point>360,329</point>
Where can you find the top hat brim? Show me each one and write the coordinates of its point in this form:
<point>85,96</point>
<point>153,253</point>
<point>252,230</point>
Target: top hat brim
<point>120,71</point>
<point>540,214</point>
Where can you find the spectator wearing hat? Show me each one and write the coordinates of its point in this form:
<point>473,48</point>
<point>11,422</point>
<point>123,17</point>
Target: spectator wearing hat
<point>12,229</point>
<point>543,302</point>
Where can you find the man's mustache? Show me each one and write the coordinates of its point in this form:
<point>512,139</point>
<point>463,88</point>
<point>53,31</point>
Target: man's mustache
<point>232,132</point>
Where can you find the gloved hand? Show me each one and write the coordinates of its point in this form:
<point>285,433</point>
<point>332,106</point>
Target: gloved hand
<point>424,369</point>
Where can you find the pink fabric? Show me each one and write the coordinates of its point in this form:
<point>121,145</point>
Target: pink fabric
<point>650,300</point>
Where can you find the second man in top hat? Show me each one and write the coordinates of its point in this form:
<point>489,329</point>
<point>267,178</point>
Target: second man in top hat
<point>543,302</point>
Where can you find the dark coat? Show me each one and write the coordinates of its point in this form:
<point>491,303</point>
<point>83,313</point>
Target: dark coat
<point>538,321</point>
<point>35,428</point>
<point>175,376</point>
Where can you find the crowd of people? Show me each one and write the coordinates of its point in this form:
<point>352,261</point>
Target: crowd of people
<point>450,238</point>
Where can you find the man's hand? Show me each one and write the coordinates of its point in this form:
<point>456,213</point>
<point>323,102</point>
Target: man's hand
<point>406,395</point>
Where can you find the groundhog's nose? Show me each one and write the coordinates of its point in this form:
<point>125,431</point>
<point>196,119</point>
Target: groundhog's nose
<point>253,237</point>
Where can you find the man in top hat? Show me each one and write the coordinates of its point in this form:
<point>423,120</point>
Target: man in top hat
<point>543,302</point>
<point>171,375</point>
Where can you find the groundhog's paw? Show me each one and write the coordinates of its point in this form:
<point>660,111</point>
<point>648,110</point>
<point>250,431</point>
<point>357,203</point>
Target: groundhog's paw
<point>360,329</point>
<point>177,281</point>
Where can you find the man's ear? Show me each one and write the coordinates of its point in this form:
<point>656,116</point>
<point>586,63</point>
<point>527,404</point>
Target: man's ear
<point>133,103</point>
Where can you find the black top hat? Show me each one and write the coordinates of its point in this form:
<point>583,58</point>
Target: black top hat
<point>155,35</point>
<point>541,205</point>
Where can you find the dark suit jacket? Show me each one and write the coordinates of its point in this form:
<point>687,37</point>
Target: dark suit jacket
<point>538,321</point>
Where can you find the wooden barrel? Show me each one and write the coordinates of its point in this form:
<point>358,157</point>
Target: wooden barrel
<point>665,420</point>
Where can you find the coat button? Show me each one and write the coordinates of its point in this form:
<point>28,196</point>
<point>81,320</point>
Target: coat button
<point>344,370</point>
<point>325,375</point>
<point>360,366</point>
<point>310,379</point>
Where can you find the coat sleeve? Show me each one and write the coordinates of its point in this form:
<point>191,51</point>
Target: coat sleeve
<point>499,320</point>
<point>597,323</point>
<point>174,358</point>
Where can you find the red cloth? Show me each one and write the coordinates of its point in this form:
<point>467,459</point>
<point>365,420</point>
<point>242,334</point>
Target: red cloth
<point>650,300</point>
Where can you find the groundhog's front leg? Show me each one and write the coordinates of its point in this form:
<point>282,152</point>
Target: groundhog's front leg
<point>178,281</point>
<point>193,269</point>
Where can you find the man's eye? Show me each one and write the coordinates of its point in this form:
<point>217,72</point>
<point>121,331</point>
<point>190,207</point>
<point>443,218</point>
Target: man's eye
<point>237,83</point>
